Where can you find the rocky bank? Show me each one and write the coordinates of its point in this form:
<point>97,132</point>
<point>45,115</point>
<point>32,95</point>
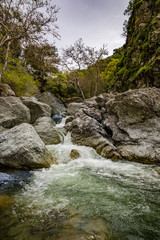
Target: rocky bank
<point>120,126</point>
<point>25,127</point>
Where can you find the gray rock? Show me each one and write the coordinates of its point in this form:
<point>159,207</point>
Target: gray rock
<point>47,132</point>
<point>13,112</point>
<point>37,109</point>
<point>55,104</point>
<point>46,120</point>
<point>73,108</point>
<point>128,126</point>
<point>21,147</point>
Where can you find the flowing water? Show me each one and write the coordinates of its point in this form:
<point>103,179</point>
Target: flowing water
<point>88,198</point>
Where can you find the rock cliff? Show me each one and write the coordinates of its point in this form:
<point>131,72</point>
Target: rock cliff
<point>140,62</point>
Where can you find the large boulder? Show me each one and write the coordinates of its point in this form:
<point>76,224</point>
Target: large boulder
<point>13,112</point>
<point>5,90</point>
<point>21,147</point>
<point>133,118</point>
<point>127,126</point>
<point>55,104</point>
<point>37,109</point>
<point>45,127</point>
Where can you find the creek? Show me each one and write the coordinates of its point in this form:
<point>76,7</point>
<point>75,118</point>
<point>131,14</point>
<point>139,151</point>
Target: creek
<point>90,198</point>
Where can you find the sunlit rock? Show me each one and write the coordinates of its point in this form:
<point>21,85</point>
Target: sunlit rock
<point>13,112</point>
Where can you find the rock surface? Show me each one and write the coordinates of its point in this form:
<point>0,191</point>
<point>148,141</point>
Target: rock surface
<point>21,147</point>
<point>6,91</point>
<point>74,154</point>
<point>13,112</point>
<point>140,64</point>
<point>45,128</point>
<point>124,125</point>
<point>37,109</point>
<point>55,104</point>
<point>73,108</point>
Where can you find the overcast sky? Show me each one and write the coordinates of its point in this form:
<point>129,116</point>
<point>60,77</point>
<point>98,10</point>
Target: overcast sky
<point>97,22</point>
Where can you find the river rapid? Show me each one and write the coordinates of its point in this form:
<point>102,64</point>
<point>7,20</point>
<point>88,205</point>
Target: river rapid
<point>90,198</point>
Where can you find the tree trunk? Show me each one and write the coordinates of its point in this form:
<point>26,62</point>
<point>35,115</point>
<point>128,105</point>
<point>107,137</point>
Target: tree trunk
<point>96,83</point>
<point>81,91</point>
<point>5,61</point>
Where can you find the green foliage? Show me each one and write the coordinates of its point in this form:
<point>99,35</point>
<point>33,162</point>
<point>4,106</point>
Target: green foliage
<point>57,84</point>
<point>20,81</point>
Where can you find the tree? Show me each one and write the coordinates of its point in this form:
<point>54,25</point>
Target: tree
<point>78,57</point>
<point>41,62</point>
<point>92,58</point>
<point>73,59</point>
<point>27,21</point>
<point>127,12</point>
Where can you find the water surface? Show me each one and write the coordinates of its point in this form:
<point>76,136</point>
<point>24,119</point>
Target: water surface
<point>88,198</point>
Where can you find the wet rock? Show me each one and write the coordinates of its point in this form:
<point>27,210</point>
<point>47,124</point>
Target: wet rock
<point>85,130</point>
<point>55,104</point>
<point>5,201</point>
<point>47,132</point>
<point>13,180</point>
<point>21,147</point>
<point>78,227</point>
<point>58,118</point>
<point>13,112</point>
<point>37,109</point>
<point>74,154</point>
<point>5,90</point>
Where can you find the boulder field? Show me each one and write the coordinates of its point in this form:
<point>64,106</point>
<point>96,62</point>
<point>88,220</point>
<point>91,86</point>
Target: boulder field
<point>120,126</point>
<point>25,127</point>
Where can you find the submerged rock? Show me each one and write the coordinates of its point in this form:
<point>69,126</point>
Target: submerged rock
<point>13,112</point>
<point>37,109</point>
<point>128,125</point>
<point>47,132</point>
<point>78,227</point>
<point>21,147</point>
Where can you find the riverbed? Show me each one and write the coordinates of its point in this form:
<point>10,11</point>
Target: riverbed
<point>83,199</point>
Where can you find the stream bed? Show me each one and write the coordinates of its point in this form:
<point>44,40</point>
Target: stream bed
<point>90,198</point>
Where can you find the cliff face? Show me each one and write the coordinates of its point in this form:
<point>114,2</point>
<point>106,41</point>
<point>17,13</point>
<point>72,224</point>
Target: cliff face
<point>140,62</point>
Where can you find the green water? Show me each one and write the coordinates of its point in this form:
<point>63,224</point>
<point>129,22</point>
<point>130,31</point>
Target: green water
<point>88,198</point>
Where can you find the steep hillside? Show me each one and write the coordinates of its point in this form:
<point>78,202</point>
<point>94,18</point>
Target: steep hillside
<point>140,62</point>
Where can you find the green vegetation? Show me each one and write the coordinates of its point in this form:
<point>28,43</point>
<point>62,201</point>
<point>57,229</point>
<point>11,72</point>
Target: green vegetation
<point>32,66</point>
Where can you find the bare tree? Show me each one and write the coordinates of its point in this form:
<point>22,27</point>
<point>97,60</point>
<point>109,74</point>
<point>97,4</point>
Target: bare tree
<point>27,21</point>
<point>92,58</point>
<point>74,61</point>
<point>78,57</point>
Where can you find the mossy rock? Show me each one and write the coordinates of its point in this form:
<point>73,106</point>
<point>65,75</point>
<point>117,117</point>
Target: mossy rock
<point>74,154</point>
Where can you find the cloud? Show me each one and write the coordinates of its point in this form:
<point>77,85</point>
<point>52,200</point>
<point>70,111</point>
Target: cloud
<point>95,21</point>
